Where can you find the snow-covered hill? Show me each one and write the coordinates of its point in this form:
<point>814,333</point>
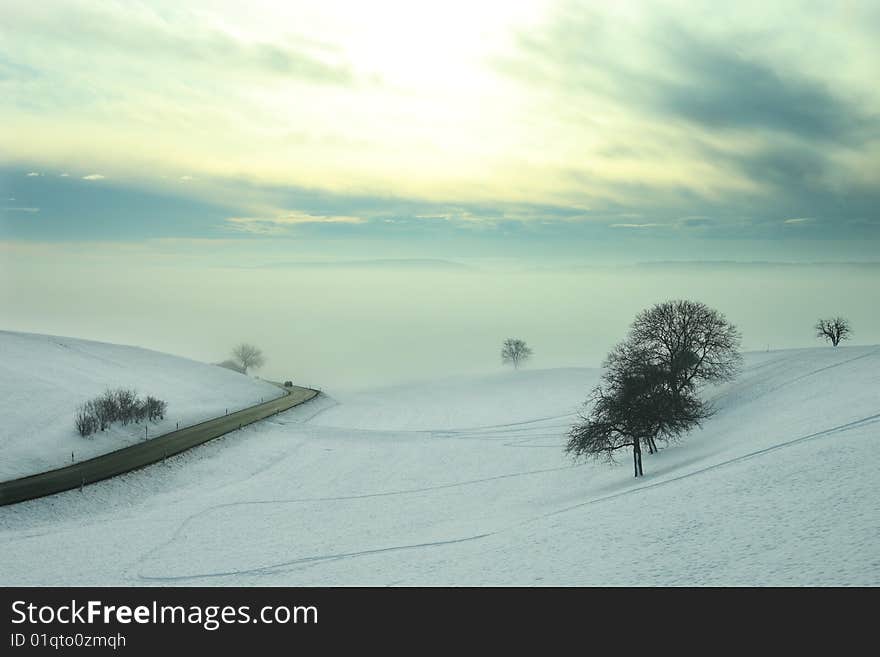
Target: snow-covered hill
<point>43,379</point>
<point>465,482</point>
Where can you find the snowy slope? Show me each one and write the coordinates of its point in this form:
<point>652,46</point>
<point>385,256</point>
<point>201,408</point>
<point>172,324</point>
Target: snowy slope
<point>456,403</point>
<point>465,482</point>
<point>43,379</point>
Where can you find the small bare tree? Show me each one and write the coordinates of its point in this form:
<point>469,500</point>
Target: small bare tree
<point>834,330</point>
<point>515,351</point>
<point>248,356</point>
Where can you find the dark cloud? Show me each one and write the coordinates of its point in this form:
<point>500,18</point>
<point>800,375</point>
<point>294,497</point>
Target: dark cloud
<point>695,222</point>
<point>713,84</point>
<point>74,209</point>
<point>723,88</point>
<point>731,107</point>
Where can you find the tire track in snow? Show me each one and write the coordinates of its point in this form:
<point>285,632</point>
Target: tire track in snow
<point>518,442</point>
<point>497,428</point>
<point>309,560</point>
<point>316,414</point>
<point>828,367</point>
<point>341,498</point>
<point>479,435</point>
<point>819,434</point>
<point>807,375</point>
<point>489,428</point>
<point>346,555</point>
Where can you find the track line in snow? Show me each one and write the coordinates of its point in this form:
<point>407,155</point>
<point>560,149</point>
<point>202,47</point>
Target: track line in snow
<point>832,366</point>
<point>501,432</point>
<point>816,371</point>
<point>342,498</point>
<point>346,555</point>
<point>309,560</point>
<point>825,432</point>
<point>489,428</point>
<point>318,412</point>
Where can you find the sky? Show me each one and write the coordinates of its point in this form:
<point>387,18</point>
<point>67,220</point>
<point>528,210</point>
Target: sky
<point>400,141</point>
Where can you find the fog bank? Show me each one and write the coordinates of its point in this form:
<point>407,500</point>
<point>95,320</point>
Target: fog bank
<point>356,324</point>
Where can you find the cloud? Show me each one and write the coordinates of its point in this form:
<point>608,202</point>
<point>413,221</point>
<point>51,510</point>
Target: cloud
<point>799,221</point>
<point>282,222</point>
<point>34,174</point>
<point>638,226</point>
<point>28,210</point>
<point>93,176</point>
<point>731,114</point>
<point>721,88</point>
<point>695,222</point>
<point>662,66</point>
<point>64,175</point>
<point>630,116</point>
<point>116,30</point>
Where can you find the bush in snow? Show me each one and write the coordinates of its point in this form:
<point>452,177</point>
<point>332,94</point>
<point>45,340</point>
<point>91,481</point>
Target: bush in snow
<point>85,420</point>
<point>155,409</point>
<point>105,409</point>
<point>120,405</point>
<point>126,404</point>
<point>140,410</point>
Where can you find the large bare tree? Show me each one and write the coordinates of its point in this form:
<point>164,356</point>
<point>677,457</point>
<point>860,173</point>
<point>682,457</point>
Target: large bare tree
<point>633,406</point>
<point>515,352</point>
<point>692,342</point>
<point>248,356</point>
<point>650,387</point>
<point>834,330</point>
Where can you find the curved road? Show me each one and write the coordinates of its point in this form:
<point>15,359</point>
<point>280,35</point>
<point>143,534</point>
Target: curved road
<point>145,453</point>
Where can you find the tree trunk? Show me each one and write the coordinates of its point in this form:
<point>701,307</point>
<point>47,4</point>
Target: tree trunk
<point>637,457</point>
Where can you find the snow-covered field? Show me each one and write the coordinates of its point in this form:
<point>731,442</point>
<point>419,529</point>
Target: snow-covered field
<point>43,379</point>
<point>465,482</point>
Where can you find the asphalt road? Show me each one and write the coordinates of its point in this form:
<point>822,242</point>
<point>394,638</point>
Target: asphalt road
<point>145,453</point>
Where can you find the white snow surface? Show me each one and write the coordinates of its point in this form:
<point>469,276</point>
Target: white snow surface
<point>44,379</point>
<point>464,482</point>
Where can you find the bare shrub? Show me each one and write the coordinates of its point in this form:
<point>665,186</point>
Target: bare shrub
<point>85,420</point>
<point>126,404</point>
<point>120,405</point>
